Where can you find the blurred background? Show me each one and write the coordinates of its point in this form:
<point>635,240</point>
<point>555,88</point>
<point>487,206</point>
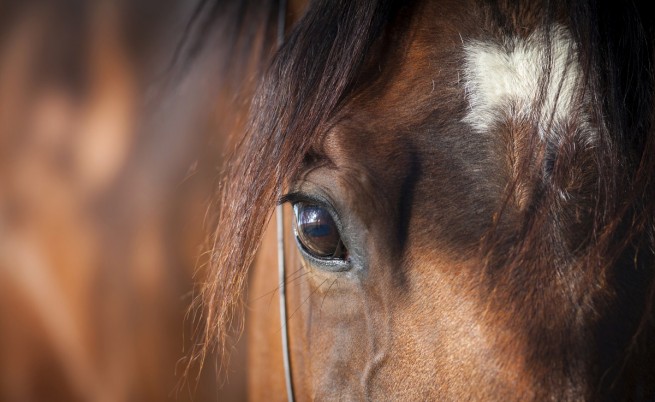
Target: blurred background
<point>109,157</point>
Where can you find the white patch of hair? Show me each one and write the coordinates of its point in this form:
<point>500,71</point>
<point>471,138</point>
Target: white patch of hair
<point>507,81</point>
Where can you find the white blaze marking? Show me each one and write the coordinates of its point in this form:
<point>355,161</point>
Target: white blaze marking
<point>504,80</point>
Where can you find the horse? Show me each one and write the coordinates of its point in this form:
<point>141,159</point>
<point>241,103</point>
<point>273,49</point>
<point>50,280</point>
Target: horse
<point>466,192</point>
<point>101,200</point>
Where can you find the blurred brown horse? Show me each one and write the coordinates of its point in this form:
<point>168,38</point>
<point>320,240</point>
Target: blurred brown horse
<point>470,203</point>
<point>108,160</point>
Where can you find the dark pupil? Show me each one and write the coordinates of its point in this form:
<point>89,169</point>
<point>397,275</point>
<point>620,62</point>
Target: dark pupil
<point>318,232</point>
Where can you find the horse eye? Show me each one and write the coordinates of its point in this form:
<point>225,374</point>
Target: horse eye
<point>317,232</point>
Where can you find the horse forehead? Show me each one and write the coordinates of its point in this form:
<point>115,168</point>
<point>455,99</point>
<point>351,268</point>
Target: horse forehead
<point>512,78</point>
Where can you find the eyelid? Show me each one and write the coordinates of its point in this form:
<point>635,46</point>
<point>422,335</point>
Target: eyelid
<point>298,196</point>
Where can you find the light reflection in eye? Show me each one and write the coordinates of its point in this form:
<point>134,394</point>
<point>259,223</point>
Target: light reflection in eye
<point>317,232</point>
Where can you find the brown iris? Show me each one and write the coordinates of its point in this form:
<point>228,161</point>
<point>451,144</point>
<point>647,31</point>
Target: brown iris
<point>317,232</point>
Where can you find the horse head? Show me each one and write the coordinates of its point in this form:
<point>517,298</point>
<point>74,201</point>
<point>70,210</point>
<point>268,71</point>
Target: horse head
<point>469,199</point>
